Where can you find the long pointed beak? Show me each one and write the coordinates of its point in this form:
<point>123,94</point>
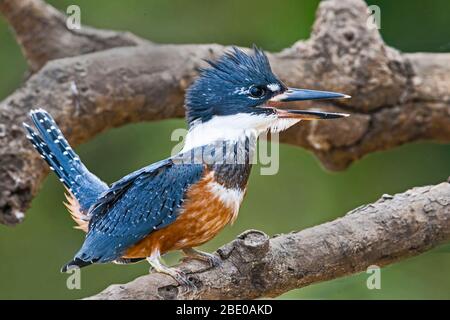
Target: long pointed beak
<point>308,114</point>
<point>292,94</point>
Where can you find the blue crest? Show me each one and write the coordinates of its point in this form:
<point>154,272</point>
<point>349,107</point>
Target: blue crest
<point>226,86</point>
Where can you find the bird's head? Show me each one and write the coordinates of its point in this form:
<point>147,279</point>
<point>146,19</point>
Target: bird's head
<point>238,92</point>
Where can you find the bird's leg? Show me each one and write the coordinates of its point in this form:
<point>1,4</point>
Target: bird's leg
<point>179,276</point>
<point>212,259</point>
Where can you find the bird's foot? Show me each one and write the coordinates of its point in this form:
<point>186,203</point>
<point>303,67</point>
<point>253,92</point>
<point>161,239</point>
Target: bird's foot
<point>179,276</point>
<point>211,259</point>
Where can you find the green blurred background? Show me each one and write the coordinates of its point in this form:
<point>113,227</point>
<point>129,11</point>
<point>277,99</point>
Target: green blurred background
<point>301,195</point>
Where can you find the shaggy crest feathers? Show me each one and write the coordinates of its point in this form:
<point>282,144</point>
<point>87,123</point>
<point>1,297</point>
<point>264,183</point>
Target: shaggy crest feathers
<point>223,86</point>
<point>237,65</point>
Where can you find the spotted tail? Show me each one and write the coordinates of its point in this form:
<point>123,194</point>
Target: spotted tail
<point>53,147</point>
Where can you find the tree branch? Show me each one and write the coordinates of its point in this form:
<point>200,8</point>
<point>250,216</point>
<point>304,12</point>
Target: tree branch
<point>42,34</point>
<point>397,98</point>
<point>254,266</point>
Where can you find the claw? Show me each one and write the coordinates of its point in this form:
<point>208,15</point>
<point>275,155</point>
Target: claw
<point>186,285</point>
<point>211,259</point>
<point>179,276</point>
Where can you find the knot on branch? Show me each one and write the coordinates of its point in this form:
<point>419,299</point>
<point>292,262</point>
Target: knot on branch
<point>248,246</point>
<point>249,255</point>
<point>344,45</point>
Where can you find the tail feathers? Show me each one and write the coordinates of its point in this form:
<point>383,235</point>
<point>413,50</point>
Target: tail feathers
<point>75,263</point>
<point>49,141</point>
<point>77,213</point>
<point>42,147</point>
<point>53,147</point>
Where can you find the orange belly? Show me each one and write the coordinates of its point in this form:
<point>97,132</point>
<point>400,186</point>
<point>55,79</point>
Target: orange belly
<point>202,217</point>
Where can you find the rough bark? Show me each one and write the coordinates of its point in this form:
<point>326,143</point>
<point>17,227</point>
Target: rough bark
<point>254,266</point>
<point>42,34</point>
<point>397,98</point>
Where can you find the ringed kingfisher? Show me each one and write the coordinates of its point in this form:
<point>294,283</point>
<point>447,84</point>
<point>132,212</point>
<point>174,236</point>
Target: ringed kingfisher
<point>183,201</point>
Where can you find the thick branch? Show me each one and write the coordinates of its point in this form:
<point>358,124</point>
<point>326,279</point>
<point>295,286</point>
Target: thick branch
<point>397,98</point>
<point>253,266</point>
<point>42,34</point>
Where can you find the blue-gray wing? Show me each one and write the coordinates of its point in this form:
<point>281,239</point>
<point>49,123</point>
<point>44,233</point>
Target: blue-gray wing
<point>133,207</point>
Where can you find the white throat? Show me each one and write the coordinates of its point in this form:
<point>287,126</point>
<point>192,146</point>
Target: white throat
<point>233,128</point>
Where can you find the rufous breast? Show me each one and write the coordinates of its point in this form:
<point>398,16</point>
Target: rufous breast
<point>207,209</point>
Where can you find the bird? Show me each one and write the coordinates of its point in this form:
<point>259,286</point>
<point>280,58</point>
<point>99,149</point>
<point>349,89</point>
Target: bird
<point>183,201</point>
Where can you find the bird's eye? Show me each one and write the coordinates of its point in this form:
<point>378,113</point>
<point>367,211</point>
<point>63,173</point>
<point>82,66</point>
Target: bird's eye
<point>257,91</point>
